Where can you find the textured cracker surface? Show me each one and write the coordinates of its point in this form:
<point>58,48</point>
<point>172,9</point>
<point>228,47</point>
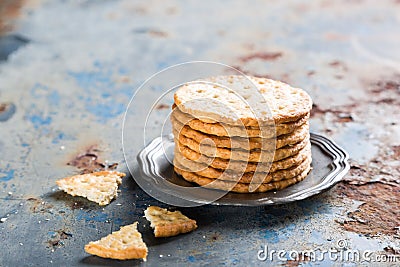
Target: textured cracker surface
<point>285,103</point>
<point>239,187</point>
<point>188,155</point>
<point>242,177</point>
<point>124,244</point>
<point>168,223</point>
<point>223,129</point>
<point>252,156</point>
<point>100,187</point>
<point>242,142</point>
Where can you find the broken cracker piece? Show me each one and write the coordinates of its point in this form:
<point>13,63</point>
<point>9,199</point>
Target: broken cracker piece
<point>125,244</point>
<point>100,187</point>
<point>168,223</point>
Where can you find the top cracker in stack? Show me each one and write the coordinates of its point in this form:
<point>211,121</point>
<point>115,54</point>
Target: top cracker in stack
<point>233,130</point>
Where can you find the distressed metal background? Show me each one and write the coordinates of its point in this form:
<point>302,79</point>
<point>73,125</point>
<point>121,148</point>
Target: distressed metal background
<point>69,68</point>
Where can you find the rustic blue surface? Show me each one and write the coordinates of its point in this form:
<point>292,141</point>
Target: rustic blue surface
<point>67,88</point>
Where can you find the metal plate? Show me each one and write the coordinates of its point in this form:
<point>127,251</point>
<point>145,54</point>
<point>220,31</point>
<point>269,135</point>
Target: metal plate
<point>156,176</point>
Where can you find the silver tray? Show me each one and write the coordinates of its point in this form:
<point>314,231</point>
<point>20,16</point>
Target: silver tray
<point>156,176</point>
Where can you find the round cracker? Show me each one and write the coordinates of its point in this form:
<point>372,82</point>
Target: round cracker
<point>242,142</point>
<point>239,187</point>
<point>244,166</point>
<point>219,96</point>
<point>242,177</point>
<point>252,155</point>
<point>226,130</point>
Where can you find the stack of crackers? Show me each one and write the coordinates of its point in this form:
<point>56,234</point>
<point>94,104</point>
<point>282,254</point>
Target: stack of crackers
<point>241,134</point>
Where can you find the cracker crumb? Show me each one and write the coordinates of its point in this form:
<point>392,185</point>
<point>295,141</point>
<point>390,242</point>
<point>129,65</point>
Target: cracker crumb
<point>127,243</point>
<point>100,187</point>
<point>168,223</point>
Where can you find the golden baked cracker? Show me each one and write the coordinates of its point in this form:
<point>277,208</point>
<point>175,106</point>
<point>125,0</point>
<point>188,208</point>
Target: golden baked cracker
<point>240,187</point>
<point>234,165</point>
<point>226,130</point>
<point>217,99</point>
<point>242,142</point>
<point>124,244</point>
<point>100,187</point>
<point>241,177</point>
<point>252,155</point>
<point>168,223</point>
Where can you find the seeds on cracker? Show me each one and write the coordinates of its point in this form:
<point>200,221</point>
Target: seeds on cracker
<point>252,155</point>
<point>240,187</point>
<point>246,177</point>
<point>168,223</point>
<point>100,187</point>
<point>224,129</point>
<point>233,128</point>
<point>215,99</point>
<point>125,244</point>
<point>218,163</point>
<point>241,142</point>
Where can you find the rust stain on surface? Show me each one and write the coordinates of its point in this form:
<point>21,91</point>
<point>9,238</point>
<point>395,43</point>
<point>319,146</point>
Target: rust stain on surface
<point>162,106</point>
<point>311,73</point>
<point>9,12</point>
<point>384,168</point>
<point>39,206</point>
<point>123,79</point>
<point>379,214</point>
<point>384,85</point>
<point>396,152</point>
<point>57,239</point>
<point>268,56</point>
<point>158,33</point>
<point>89,161</point>
<point>7,110</point>
<point>386,90</point>
<point>338,64</point>
<point>343,113</point>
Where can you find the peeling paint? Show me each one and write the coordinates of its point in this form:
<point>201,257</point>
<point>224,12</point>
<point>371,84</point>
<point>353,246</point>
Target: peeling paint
<point>89,161</point>
<point>39,120</point>
<point>271,236</point>
<point>6,174</point>
<point>379,214</point>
